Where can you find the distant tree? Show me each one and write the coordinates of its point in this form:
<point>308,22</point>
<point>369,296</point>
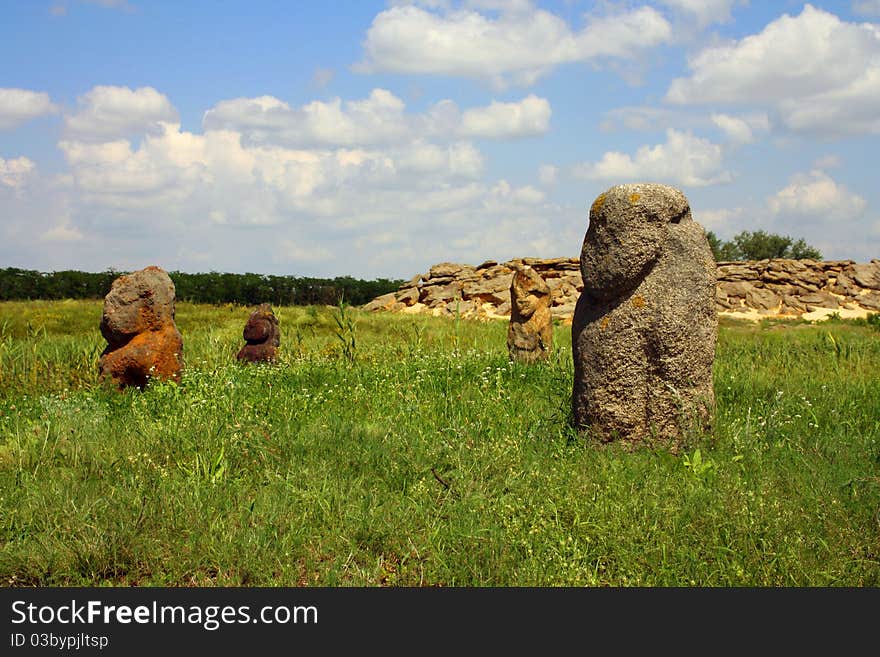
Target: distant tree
<point>800,250</point>
<point>760,245</point>
<point>720,249</point>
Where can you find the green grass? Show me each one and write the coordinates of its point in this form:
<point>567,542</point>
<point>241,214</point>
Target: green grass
<point>417,455</point>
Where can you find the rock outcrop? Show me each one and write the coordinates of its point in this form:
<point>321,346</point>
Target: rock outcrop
<point>261,335</point>
<point>138,323</point>
<point>530,333</point>
<point>645,326</point>
<point>754,289</point>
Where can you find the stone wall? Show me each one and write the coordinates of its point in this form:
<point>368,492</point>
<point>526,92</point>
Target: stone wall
<point>763,288</point>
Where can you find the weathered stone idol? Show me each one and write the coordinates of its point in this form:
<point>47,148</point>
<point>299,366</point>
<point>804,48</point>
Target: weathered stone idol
<point>262,336</point>
<point>530,332</point>
<point>138,324</point>
<point>645,326</point>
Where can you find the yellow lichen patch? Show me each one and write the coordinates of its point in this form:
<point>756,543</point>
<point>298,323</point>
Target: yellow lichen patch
<point>634,197</point>
<point>597,204</point>
<point>639,301</point>
<point>604,324</point>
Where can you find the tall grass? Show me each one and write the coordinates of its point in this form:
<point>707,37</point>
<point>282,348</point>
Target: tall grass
<point>427,459</point>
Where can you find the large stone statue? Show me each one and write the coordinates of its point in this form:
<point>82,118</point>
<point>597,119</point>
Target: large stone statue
<point>645,325</point>
<point>261,335</point>
<point>138,324</point>
<point>530,332</point>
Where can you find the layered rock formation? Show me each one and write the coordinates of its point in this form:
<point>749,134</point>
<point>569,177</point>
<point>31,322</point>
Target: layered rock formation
<point>763,288</point>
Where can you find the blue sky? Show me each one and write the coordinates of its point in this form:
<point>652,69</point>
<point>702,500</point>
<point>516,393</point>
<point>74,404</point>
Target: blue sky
<point>375,139</point>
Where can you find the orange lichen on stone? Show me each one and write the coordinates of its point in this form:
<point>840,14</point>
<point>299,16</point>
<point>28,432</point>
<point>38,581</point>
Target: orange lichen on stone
<point>597,204</point>
<point>633,198</point>
<point>639,301</point>
<point>604,324</point>
<point>148,355</point>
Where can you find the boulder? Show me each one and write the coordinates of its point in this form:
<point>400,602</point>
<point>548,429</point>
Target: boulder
<point>867,275</point>
<point>138,324</point>
<point>262,336</point>
<point>530,332</point>
<point>384,302</point>
<point>762,299</point>
<point>645,325</point>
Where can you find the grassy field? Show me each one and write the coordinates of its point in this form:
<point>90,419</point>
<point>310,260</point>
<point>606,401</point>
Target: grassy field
<point>393,450</point>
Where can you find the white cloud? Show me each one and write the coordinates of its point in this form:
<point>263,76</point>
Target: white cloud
<point>381,118</point>
<point>530,116</point>
<point>739,129</point>
<point>520,45</point>
<point>816,71</point>
<point>20,105</point>
<point>107,112</point>
<point>15,172</point>
<point>376,119</point>
<point>219,171</point>
<point>407,204</point>
<point>62,232</point>
<point>816,194</point>
<point>718,219</point>
<point>684,159</point>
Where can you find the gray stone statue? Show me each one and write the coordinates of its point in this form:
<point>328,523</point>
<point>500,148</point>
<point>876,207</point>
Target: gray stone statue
<point>645,325</point>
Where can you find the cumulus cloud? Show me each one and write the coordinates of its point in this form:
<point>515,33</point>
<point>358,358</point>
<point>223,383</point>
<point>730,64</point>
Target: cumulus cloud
<point>62,232</point>
<point>816,194</point>
<point>520,45</point>
<point>817,72</point>
<point>14,173</point>
<point>530,116</point>
<point>741,129</point>
<point>718,219</point>
<point>388,209</point>
<point>381,118</point>
<point>18,106</point>
<point>684,159</point>
<point>220,172</point>
<point>107,112</point>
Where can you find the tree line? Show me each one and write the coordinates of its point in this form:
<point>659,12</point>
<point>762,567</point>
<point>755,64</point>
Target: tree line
<point>251,289</point>
<point>760,245</point>
<point>212,287</point>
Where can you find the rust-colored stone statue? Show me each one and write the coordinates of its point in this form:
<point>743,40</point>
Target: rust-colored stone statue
<point>530,332</point>
<point>262,336</point>
<point>138,324</point>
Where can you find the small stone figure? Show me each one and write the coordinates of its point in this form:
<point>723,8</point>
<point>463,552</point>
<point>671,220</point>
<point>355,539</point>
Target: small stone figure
<point>262,336</point>
<point>138,324</point>
<point>530,332</point>
<point>645,326</point>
